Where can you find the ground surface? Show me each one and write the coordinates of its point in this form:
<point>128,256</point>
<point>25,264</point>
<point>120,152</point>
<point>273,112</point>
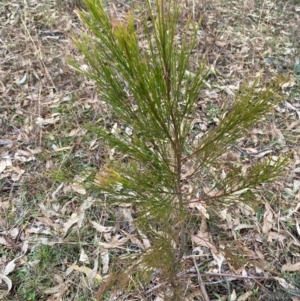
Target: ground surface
<point>52,234</point>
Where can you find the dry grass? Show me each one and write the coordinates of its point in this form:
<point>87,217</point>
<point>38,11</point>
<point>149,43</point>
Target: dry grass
<point>47,228</point>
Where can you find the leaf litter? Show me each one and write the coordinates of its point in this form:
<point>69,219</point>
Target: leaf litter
<point>40,126</point>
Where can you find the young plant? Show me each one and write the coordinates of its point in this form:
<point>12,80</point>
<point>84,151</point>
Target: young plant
<point>152,90</point>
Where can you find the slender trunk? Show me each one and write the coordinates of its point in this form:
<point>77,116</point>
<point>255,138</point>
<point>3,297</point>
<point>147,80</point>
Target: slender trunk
<point>181,206</point>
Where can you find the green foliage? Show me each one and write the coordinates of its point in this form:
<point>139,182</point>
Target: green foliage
<point>34,277</point>
<point>152,92</point>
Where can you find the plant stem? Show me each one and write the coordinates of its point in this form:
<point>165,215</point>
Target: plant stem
<point>181,205</point>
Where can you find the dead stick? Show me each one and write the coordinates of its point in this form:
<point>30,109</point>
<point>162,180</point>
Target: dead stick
<point>201,283</point>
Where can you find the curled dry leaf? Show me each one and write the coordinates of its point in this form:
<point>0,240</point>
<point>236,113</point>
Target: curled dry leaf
<point>8,283</point>
<point>9,268</point>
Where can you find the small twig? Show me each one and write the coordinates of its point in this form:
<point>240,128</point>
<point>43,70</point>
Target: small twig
<point>234,276</point>
<point>150,290</point>
<point>201,284</point>
<point>262,287</point>
<point>252,154</point>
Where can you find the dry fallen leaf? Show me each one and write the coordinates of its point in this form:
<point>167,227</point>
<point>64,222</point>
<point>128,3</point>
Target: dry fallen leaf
<point>14,232</point>
<point>297,227</point>
<point>242,226</point>
<point>23,156</point>
<point>159,298</point>
<point>104,260</point>
<point>145,240</point>
<point>289,267</point>
<point>3,241</point>
<point>268,219</point>
<point>54,289</point>
<point>83,257</point>
<point>100,228</point>
<point>17,173</point>
<point>10,268</point>
<point>114,243</point>
<point>274,235</point>
<point>202,239</point>
<point>87,271</point>
<point>78,188</point>
<point>212,192</point>
<point>200,206</point>
<point>6,142</point>
<point>8,283</point>
<point>67,225</point>
<point>278,134</point>
<point>233,295</point>
<point>2,165</point>
<point>54,118</point>
<point>55,192</point>
<point>244,297</point>
<point>127,216</point>
<point>77,132</point>
<point>136,241</point>
<point>285,284</point>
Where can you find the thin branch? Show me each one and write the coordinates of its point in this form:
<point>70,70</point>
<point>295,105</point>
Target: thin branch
<point>201,283</point>
<point>235,276</point>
